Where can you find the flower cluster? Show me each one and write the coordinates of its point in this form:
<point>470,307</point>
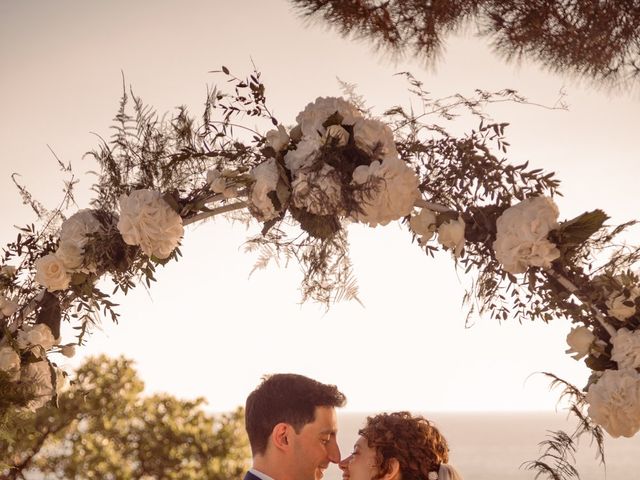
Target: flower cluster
<point>613,391</point>
<point>148,221</point>
<point>609,339</point>
<point>521,238</point>
<point>54,271</point>
<point>24,359</point>
<point>426,223</point>
<point>334,163</point>
<point>614,402</point>
<point>67,268</point>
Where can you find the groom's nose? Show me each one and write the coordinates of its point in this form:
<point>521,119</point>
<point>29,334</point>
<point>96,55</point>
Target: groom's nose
<point>334,452</point>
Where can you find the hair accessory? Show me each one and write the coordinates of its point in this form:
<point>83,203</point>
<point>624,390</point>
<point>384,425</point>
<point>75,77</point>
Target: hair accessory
<point>433,476</point>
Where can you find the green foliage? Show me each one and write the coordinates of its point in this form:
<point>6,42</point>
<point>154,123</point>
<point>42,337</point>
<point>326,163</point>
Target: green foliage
<point>105,427</point>
<point>557,458</point>
<point>571,234</point>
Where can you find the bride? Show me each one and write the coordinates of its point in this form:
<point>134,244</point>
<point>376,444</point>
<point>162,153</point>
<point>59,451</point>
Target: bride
<point>399,446</point>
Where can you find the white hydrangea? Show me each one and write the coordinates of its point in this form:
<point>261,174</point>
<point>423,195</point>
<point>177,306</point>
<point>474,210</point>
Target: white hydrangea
<point>150,222</point>
<point>626,348</point>
<point>580,340</point>
<point>317,112</point>
<point>35,335</point>
<point>73,238</point>
<point>7,306</point>
<point>614,402</point>
<point>303,156</point>
<point>393,192</point>
<point>521,238</point>
<point>38,376</point>
<point>616,304</point>
<point>51,273</point>
<point>375,138</point>
<point>318,192</point>
<point>451,235</point>
<point>277,139</point>
<point>266,180</point>
<point>423,224</point>
<point>10,362</point>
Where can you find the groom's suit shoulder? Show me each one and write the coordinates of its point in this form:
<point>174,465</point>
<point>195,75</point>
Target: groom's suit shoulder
<point>250,476</point>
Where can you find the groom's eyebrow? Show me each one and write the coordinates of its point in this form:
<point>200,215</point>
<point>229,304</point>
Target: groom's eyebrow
<point>330,431</point>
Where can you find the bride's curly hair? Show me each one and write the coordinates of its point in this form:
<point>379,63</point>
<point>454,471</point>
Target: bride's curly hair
<point>413,441</point>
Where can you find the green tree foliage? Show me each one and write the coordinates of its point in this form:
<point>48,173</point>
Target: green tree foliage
<point>106,428</point>
<point>596,39</point>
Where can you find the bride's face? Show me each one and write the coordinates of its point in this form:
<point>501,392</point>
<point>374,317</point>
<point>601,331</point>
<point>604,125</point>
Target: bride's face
<point>361,464</point>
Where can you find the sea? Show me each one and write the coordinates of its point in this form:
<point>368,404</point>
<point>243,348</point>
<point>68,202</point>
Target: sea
<point>495,445</point>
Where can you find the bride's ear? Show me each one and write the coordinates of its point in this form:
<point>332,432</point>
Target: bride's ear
<point>393,470</point>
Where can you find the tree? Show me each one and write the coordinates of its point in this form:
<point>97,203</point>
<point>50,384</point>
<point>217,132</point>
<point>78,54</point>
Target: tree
<point>105,428</point>
<point>593,39</point>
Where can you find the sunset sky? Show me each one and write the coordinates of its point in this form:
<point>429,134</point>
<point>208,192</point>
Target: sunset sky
<point>206,328</point>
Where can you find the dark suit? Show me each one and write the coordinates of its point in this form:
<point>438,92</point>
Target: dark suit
<point>250,476</point>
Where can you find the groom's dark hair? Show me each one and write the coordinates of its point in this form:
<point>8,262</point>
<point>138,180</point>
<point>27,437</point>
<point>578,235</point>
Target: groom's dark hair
<point>285,398</point>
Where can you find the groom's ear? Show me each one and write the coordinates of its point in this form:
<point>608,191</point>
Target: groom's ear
<point>281,436</point>
<point>393,470</point>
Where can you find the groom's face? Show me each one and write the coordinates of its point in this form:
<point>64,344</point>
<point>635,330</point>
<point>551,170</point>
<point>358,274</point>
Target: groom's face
<point>315,447</point>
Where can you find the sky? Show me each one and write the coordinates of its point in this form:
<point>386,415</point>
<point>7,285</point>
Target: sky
<point>207,328</point>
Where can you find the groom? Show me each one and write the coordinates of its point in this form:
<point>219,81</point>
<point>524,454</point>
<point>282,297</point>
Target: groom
<point>292,426</point>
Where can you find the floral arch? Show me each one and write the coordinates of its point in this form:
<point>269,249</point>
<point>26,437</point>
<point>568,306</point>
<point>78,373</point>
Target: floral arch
<point>337,164</point>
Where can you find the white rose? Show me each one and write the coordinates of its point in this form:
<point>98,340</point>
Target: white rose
<point>389,190</point>
<point>579,340</point>
<point>616,304</point>
<point>38,376</point>
<point>337,134</point>
<point>303,156</point>
<point>148,221</point>
<point>266,180</point>
<point>51,273</point>
<point>217,182</point>
<point>614,402</point>
<point>375,138</point>
<point>451,235</point>
<point>318,192</point>
<point>10,362</point>
<point>317,112</point>
<point>8,270</point>
<point>33,335</point>
<point>74,236</point>
<point>277,139</point>
<point>423,224</point>
<point>521,237</point>
<point>626,348</point>
<point>7,307</point>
